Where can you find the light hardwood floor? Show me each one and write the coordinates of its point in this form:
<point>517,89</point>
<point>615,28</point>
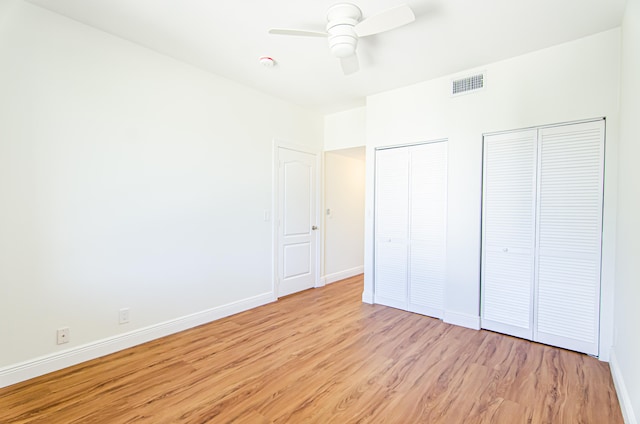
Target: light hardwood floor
<point>322,356</point>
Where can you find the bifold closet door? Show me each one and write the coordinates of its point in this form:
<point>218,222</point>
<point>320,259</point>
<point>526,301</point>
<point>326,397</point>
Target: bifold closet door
<point>428,228</point>
<point>542,233</point>
<point>508,232</point>
<point>410,227</point>
<point>391,227</point>
<point>570,195</point>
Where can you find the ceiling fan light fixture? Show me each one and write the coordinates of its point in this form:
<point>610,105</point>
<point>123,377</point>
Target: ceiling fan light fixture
<point>341,50</point>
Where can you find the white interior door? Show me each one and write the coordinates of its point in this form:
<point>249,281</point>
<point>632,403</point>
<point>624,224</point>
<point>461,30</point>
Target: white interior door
<point>410,227</point>
<point>391,227</point>
<point>570,169</point>
<point>297,227</point>
<point>542,234</point>
<point>427,228</point>
<point>508,232</point>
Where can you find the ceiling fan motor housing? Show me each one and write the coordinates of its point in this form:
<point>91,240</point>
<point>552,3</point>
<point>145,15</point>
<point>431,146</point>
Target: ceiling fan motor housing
<point>345,25</point>
<point>342,19</point>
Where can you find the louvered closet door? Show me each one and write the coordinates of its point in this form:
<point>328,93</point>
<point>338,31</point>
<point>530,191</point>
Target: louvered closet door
<point>509,194</point>
<point>391,227</point>
<point>569,235</point>
<point>427,228</point>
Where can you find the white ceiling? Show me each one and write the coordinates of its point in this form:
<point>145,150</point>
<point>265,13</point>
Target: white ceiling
<point>449,36</point>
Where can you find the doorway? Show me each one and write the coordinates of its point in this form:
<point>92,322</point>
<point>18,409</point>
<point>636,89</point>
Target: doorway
<point>344,213</point>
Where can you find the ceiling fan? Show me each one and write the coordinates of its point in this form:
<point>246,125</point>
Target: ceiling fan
<point>345,25</point>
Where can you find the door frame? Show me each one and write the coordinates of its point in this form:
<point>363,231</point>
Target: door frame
<point>275,202</point>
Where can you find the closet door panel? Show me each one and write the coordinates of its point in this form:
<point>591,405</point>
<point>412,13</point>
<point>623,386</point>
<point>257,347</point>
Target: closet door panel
<point>569,235</point>
<point>508,227</point>
<point>391,274</point>
<point>428,209</point>
<point>568,303</point>
<point>392,193</point>
<point>391,227</point>
<point>507,293</point>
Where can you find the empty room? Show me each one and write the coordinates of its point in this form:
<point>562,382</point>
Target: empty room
<point>412,211</point>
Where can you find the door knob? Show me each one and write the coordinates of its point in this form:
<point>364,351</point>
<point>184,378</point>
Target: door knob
<point>314,227</point>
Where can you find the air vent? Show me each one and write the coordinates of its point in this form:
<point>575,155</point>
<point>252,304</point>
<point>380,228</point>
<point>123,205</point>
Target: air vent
<point>466,85</point>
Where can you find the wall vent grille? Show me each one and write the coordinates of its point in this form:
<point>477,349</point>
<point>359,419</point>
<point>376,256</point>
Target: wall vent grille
<point>465,85</point>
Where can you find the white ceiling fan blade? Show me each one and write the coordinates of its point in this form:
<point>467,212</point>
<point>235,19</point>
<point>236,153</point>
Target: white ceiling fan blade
<point>385,21</point>
<point>297,32</point>
<point>350,64</point>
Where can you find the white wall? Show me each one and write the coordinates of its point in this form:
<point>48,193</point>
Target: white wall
<point>127,179</point>
<point>344,226</point>
<point>572,81</point>
<point>625,361</point>
<point>344,130</point>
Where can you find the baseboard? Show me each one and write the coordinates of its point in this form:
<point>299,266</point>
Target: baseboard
<point>59,360</point>
<point>462,320</point>
<point>337,276</point>
<point>621,389</point>
<point>367,297</point>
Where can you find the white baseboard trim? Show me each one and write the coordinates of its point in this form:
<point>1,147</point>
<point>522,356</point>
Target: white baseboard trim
<point>621,389</point>
<point>337,276</point>
<point>462,320</point>
<point>45,364</point>
<point>367,297</point>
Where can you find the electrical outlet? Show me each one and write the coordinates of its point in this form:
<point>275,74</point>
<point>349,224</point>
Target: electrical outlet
<point>123,316</point>
<point>63,335</point>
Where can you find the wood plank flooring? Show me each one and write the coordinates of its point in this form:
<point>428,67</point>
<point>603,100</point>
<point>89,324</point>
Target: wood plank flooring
<point>322,356</point>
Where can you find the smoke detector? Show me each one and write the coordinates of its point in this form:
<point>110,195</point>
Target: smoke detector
<point>267,61</point>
